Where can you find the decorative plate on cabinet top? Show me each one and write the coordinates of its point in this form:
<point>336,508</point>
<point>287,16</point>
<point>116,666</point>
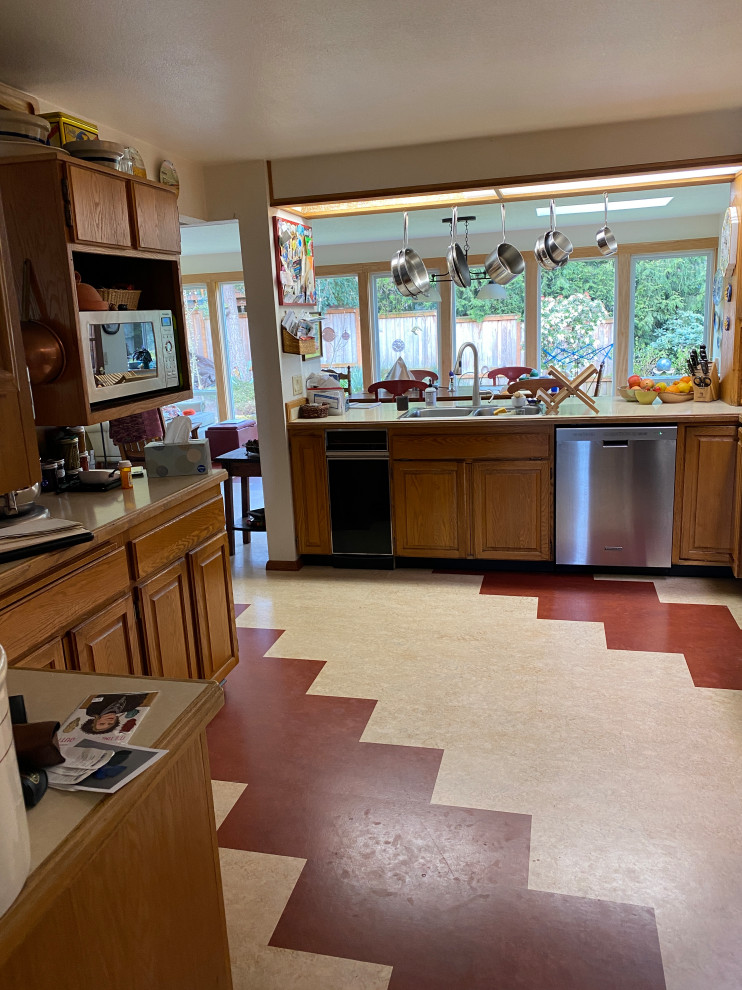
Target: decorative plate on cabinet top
<point>728,242</point>
<point>169,176</point>
<point>137,162</point>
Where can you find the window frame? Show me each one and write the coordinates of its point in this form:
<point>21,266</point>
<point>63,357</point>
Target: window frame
<point>708,307</point>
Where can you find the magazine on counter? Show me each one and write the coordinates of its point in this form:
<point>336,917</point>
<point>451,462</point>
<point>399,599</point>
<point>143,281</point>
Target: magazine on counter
<point>108,718</point>
<point>112,766</point>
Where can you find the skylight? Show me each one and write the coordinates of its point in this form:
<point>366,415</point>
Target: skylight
<point>626,204</point>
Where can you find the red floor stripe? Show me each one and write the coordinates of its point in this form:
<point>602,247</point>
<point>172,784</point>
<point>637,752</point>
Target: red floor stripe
<point>635,619</point>
<point>439,893</point>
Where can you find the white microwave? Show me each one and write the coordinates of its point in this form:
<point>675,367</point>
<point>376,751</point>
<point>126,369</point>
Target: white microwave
<point>129,353</point>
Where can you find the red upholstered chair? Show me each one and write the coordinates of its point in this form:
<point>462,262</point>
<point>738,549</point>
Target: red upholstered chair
<point>512,374</point>
<point>423,375</point>
<point>398,386</point>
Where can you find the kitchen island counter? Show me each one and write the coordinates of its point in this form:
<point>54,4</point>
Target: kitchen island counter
<point>611,410</point>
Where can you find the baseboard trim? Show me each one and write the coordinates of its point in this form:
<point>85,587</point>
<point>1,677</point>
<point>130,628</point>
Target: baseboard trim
<point>284,565</point>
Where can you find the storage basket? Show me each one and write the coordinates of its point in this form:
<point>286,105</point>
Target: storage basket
<point>294,345</point>
<point>313,411</point>
<point>121,297</point>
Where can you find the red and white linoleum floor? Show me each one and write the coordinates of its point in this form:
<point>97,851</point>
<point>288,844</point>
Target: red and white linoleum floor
<point>430,781</point>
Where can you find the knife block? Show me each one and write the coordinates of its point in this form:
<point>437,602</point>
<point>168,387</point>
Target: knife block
<point>707,393</point>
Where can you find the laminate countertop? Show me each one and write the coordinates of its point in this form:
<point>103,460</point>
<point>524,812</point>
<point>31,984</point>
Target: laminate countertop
<point>106,514</point>
<point>571,411</point>
<point>51,696</point>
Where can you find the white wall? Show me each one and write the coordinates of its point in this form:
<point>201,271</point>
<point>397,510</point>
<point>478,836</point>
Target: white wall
<point>241,191</point>
<point>512,157</point>
<point>204,264</point>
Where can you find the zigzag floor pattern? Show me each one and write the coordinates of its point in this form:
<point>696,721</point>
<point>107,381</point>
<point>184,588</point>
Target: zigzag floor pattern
<point>440,893</point>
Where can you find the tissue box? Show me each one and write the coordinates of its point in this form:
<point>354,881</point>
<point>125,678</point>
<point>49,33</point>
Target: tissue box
<point>334,398</point>
<point>166,460</point>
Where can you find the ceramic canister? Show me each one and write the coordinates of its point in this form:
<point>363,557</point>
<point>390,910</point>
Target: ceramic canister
<point>15,850</point>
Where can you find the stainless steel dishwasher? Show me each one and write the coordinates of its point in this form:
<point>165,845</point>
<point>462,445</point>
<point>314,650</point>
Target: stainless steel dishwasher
<point>615,488</point>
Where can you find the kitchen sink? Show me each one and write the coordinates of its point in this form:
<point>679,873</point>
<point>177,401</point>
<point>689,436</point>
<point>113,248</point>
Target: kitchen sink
<point>454,413</point>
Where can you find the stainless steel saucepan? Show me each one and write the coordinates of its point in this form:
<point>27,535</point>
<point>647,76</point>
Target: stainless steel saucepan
<point>408,269</point>
<point>506,262</point>
<point>553,249</point>
<point>458,266</point>
<point>607,243</point>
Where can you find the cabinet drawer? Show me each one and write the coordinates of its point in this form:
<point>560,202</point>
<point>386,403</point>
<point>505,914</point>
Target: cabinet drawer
<point>99,206</point>
<point>416,445</point>
<point>175,538</point>
<point>156,221</point>
<point>54,610</point>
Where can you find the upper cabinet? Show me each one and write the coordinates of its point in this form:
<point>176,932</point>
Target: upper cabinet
<point>19,458</point>
<point>98,206</point>
<point>156,221</point>
<point>67,216</point>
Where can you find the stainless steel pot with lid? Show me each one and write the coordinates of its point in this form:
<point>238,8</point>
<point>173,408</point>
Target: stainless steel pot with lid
<point>458,266</point>
<point>506,262</point>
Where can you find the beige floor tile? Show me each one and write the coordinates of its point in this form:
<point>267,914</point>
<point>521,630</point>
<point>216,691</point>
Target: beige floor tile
<point>226,794</point>
<point>256,889</point>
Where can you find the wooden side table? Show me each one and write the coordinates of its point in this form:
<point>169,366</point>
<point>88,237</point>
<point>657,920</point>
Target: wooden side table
<point>238,464</point>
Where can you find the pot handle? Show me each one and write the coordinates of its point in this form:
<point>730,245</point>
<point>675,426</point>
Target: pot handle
<point>404,236</point>
<point>551,215</point>
<point>605,209</point>
<point>454,220</point>
<point>502,217</point>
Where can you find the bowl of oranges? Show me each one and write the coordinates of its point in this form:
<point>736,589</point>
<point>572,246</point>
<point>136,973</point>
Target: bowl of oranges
<point>680,390</point>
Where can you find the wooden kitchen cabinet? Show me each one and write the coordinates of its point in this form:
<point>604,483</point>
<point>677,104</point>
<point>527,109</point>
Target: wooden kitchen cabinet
<point>19,456</point>
<point>99,208</point>
<point>211,582</point>
<point>705,495</point>
<point>108,643</point>
<point>311,493</point>
<point>50,656</point>
<point>156,220</point>
<point>429,500</point>
<point>165,612</point>
<point>511,510</point>
<point>68,216</point>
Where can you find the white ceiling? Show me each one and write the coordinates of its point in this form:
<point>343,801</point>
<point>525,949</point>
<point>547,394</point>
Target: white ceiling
<point>235,79</point>
<point>690,201</point>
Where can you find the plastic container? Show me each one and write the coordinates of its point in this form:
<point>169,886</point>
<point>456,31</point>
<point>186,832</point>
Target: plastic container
<point>124,470</point>
<point>15,848</point>
<point>431,396</point>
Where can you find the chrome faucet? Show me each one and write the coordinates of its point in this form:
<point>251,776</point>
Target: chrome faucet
<point>476,399</point>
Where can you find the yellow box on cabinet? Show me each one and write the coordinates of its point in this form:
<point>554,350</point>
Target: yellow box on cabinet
<point>66,128</point>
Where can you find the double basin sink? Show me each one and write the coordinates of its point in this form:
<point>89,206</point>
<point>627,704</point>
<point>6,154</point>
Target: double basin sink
<point>457,413</point>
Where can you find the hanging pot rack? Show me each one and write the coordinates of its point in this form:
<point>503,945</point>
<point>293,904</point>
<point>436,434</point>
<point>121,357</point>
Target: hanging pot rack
<point>480,274</point>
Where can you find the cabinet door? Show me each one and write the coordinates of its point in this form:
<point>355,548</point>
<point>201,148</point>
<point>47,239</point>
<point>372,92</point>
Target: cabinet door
<point>108,643</point>
<point>311,495</point>
<point>704,519</point>
<point>156,219</point>
<point>166,615</point>
<point>211,579</point>
<point>19,455</point>
<point>430,516</point>
<point>99,207</point>
<point>737,527</point>
<point>512,510</point>
<point>50,656</point>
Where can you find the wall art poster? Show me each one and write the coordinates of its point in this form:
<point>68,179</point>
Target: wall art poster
<point>294,263</point>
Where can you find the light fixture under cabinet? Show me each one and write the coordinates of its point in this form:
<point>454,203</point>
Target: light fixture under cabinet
<point>613,207</point>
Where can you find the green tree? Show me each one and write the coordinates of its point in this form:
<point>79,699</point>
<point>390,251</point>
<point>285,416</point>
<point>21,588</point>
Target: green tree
<point>339,291</point>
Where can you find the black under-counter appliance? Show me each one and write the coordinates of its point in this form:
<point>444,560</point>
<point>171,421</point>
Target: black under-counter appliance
<point>360,504</point>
